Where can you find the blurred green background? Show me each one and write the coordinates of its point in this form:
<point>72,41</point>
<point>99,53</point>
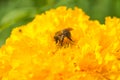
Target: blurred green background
<point>14,13</point>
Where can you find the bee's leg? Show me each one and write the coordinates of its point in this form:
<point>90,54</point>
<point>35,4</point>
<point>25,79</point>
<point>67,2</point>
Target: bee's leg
<point>62,39</point>
<point>61,44</point>
<point>69,38</point>
<point>68,35</point>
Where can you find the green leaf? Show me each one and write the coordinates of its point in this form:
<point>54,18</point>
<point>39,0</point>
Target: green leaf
<point>99,9</point>
<point>15,16</point>
<point>5,33</point>
<point>117,8</point>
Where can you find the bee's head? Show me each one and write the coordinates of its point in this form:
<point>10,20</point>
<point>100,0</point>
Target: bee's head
<point>56,39</point>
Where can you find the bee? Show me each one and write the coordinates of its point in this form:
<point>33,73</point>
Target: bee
<point>60,35</point>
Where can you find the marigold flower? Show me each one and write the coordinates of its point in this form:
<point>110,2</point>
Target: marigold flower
<point>30,53</point>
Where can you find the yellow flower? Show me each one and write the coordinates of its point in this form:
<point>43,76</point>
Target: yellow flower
<point>30,53</point>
